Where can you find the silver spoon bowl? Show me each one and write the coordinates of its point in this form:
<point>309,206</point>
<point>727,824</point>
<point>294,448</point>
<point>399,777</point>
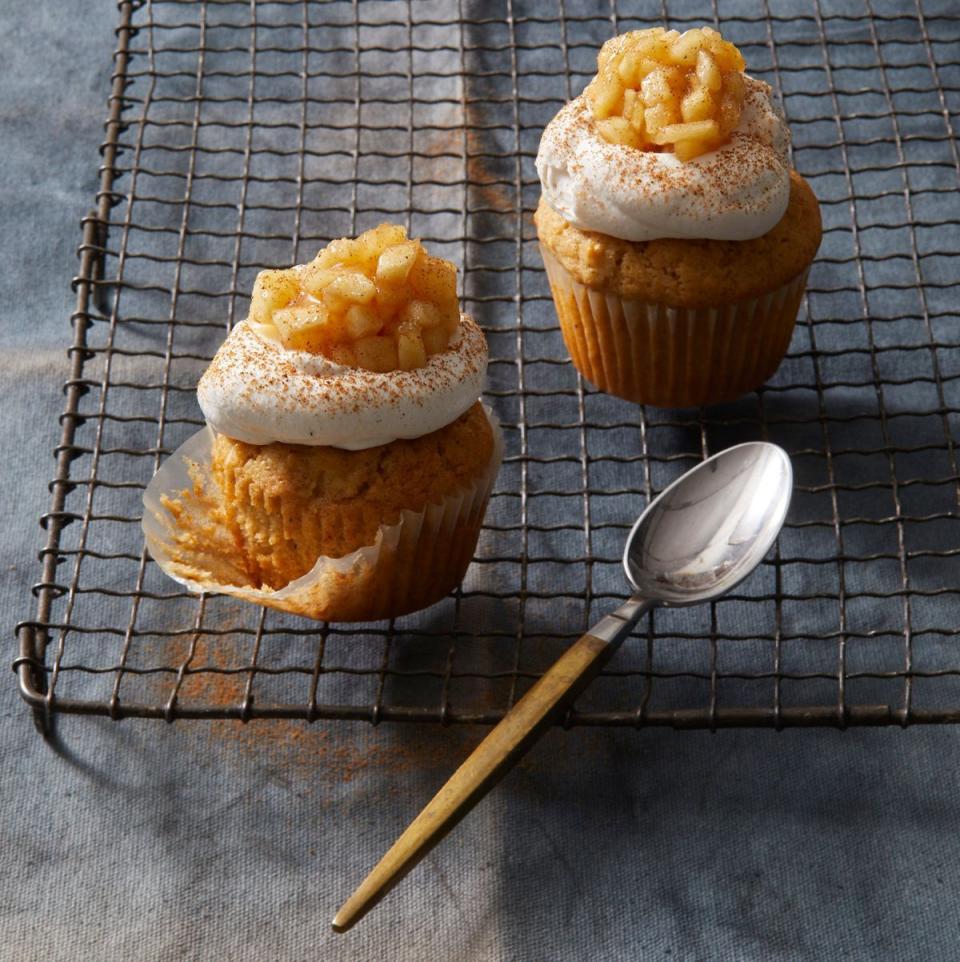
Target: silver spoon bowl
<point>710,528</point>
<point>704,533</point>
<point>702,536</point>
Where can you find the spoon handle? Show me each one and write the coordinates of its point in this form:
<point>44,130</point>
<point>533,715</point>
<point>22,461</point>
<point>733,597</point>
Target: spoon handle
<point>494,757</point>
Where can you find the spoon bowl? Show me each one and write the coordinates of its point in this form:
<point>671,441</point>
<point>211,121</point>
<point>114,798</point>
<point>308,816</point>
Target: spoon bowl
<point>709,529</point>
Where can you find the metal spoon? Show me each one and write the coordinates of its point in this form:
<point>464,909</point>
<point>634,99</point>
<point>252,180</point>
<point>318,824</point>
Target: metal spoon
<point>699,538</point>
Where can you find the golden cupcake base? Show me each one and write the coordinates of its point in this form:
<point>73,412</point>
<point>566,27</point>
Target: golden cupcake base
<point>673,356</point>
<point>410,564</point>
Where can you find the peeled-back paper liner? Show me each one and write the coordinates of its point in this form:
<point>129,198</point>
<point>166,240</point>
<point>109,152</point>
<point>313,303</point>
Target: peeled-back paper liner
<point>412,563</point>
<point>673,356</point>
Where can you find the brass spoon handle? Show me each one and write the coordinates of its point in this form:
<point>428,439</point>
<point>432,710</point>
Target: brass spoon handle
<point>493,758</point>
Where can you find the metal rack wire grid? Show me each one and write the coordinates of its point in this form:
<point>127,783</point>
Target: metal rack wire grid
<point>246,135</point>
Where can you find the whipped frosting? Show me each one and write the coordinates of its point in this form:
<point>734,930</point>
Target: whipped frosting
<point>258,391</point>
<point>737,192</point>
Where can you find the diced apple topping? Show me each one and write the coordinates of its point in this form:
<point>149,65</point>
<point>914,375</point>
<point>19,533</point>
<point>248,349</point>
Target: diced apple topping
<point>378,301</point>
<point>659,89</point>
<point>272,290</point>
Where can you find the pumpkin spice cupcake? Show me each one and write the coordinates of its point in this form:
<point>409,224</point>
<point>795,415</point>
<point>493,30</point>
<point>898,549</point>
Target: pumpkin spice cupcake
<point>347,462</point>
<point>676,237</point>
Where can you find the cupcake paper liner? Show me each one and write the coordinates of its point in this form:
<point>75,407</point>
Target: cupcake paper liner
<point>673,356</point>
<point>412,564</point>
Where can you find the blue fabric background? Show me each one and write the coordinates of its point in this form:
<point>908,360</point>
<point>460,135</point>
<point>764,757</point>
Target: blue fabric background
<point>142,841</point>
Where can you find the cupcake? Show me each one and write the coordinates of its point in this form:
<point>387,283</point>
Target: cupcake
<point>347,462</point>
<point>675,235</point>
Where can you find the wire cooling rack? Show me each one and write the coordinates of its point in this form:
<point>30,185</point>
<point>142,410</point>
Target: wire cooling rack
<point>245,135</point>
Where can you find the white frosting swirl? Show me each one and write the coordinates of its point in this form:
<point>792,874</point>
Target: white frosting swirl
<point>257,391</point>
<point>736,192</point>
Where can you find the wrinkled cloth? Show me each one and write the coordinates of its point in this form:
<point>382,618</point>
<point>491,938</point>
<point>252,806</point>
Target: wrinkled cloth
<point>139,840</point>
